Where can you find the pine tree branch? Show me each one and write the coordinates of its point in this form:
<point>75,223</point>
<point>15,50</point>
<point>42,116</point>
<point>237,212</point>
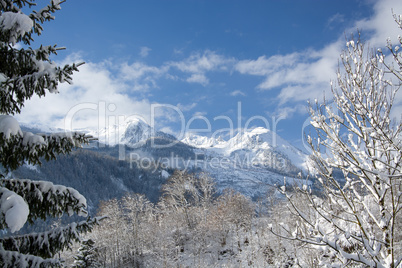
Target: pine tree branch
<point>18,260</point>
<point>47,244</point>
<point>36,74</point>
<point>15,151</point>
<point>46,199</point>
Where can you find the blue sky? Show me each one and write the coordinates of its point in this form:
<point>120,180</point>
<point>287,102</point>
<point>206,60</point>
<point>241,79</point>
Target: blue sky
<point>200,61</point>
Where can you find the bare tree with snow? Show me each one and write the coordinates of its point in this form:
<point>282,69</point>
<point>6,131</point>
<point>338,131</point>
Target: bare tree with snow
<point>357,218</point>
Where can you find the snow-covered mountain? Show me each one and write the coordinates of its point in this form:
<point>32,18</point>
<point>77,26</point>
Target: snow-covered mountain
<point>259,145</point>
<point>203,141</point>
<point>251,162</point>
<point>132,133</point>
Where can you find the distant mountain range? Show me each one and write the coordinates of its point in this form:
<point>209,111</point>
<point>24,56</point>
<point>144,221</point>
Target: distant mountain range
<point>260,145</point>
<point>251,162</point>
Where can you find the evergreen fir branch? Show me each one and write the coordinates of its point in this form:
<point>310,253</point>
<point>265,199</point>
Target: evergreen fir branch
<point>47,244</point>
<point>17,260</point>
<point>15,5</point>
<point>37,17</point>
<point>36,74</point>
<point>87,255</point>
<point>24,73</point>
<point>14,152</point>
<point>46,199</point>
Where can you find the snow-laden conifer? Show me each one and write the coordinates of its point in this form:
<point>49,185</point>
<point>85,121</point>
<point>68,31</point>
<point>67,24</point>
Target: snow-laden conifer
<point>24,72</point>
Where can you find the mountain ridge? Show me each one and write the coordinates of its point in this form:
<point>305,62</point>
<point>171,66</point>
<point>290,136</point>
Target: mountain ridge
<point>251,162</point>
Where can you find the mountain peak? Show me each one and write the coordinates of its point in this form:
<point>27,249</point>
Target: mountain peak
<point>129,132</point>
<point>133,121</point>
<point>257,143</point>
<point>133,132</point>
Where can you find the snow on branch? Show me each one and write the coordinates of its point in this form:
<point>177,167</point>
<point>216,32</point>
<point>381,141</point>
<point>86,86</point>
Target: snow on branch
<point>17,147</point>
<point>37,73</point>
<point>9,126</point>
<point>28,71</point>
<point>14,259</point>
<point>14,210</point>
<point>46,199</point>
<point>47,244</point>
<point>15,25</point>
<point>357,215</point>
<point>25,72</point>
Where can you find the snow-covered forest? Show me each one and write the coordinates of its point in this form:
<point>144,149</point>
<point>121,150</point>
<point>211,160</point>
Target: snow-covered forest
<point>353,222</point>
<point>192,226</point>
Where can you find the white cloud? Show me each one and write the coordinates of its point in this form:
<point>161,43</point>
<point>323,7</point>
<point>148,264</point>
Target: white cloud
<point>95,98</point>
<point>170,131</point>
<point>178,51</point>
<point>335,19</point>
<point>199,114</point>
<point>199,64</point>
<point>185,108</point>
<point>139,70</point>
<point>381,24</point>
<point>289,111</point>
<point>198,78</point>
<point>306,74</point>
<point>100,93</point>
<point>139,76</point>
<point>264,66</point>
<point>299,76</point>
<point>296,76</point>
<point>144,51</point>
<point>237,93</point>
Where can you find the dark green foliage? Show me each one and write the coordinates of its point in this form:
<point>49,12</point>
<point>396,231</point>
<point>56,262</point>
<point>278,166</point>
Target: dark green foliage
<point>9,259</point>
<point>38,18</point>
<point>25,72</point>
<point>13,151</point>
<point>45,199</point>
<point>23,67</point>
<point>47,244</point>
<point>87,255</point>
<point>19,89</point>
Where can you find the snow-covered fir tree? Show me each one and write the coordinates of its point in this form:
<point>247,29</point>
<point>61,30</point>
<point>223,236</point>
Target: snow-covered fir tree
<point>356,221</point>
<point>24,72</point>
<point>87,255</point>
